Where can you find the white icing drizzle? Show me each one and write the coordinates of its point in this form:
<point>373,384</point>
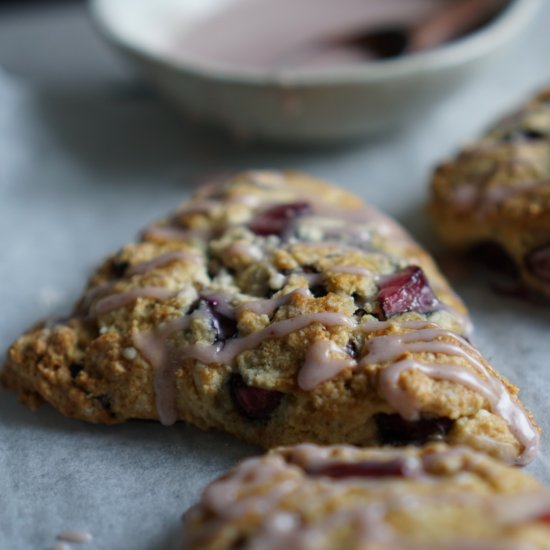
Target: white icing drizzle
<point>249,250</point>
<point>322,361</point>
<point>321,365</point>
<point>268,179</point>
<point>323,228</point>
<point>223,305</point>
<point>423,338</point>
<point>219,497</point>
<point>384,225</point>
<point>203,206</point>
<point>153,347</point>
<point>161,261</point>
<point>257,487</point>
<point>165,233</point>
<point>115,301</point>
<point>75,536</point>
<point>351,270</point>
<point>208,354</point>
<point>96,292</point>
<point>483,198</point>
<point>107,300</point>
<point>269,305</point>
<point>311,456</point>
<point>166,361</point>
<point>317,278</point>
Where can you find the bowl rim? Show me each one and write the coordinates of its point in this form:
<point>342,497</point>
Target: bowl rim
<point>512,20</point>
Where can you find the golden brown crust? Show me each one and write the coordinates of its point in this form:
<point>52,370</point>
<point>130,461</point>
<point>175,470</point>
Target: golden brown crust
<point>327,498</point>
<point>224,268</point>
<point>497,190</point>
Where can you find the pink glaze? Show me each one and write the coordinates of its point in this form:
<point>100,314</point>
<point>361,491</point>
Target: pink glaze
<point>209,354</point>
<point>250,251</point>
<point>382,224</point>
<point>223,305</point>
<point>269,305</point>
<point>285,35</point>
<point>424,339</point>
<point>161,261</point>
<point>96,292</point>
<point>219,496</point>
<point>482,199</point>
<point>268,179</point>
<point>321,364</point>
<point>152,346</point>
<point>167,360</point>
<point>351,270</point>
<point>310,455</point>
<point>115,301</point>
<point>165,233</point>
<point>318,278</point>
<point>257,487</point>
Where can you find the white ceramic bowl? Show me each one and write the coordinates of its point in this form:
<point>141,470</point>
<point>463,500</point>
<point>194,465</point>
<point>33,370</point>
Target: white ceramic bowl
<point>307,106</point>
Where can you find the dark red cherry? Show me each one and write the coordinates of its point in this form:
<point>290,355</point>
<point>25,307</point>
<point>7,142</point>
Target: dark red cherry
<point>397,467</point>
<point>276,220</point>
<point>394,430</point>
<point>253,402</point>
<point>406,290</point>
<point>538,262</point>
<point>224,325</point>
<point>545,517</point>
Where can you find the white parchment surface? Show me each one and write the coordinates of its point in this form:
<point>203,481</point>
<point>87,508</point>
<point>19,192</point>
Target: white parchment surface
<point>89,156</point>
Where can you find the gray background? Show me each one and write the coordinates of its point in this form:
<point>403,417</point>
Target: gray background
<point>88,155</point>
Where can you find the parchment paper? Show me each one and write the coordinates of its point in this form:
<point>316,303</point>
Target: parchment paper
<point>89,156</point>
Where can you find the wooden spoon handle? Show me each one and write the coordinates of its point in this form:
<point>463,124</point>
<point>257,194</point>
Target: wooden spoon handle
<point>451,21</point>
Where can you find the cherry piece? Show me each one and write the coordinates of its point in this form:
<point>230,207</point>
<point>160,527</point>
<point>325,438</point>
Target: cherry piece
<point>394,430</point>
<point>397,467</point>
<point>406,290</point>
<point>275,220</point>
<point>545,518</point>
<point>225,327</point>
<point>253,402</point>
<point>538,262</point>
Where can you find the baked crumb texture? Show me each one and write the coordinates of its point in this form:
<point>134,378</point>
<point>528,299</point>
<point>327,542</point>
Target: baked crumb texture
<point>329,498</point>
<point>497,191</point>
<point>282,310</point>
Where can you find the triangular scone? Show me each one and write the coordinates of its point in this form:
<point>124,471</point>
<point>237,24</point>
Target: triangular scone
<point>330,498</point>
<point>282,310</point>
<point>497,191</point>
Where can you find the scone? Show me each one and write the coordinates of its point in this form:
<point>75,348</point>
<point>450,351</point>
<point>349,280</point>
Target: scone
<point>330,498</point>
<point>497,191</point>
<point>282,310</point>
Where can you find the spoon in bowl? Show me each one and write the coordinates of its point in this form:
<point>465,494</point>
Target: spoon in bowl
<point>455,19</point>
